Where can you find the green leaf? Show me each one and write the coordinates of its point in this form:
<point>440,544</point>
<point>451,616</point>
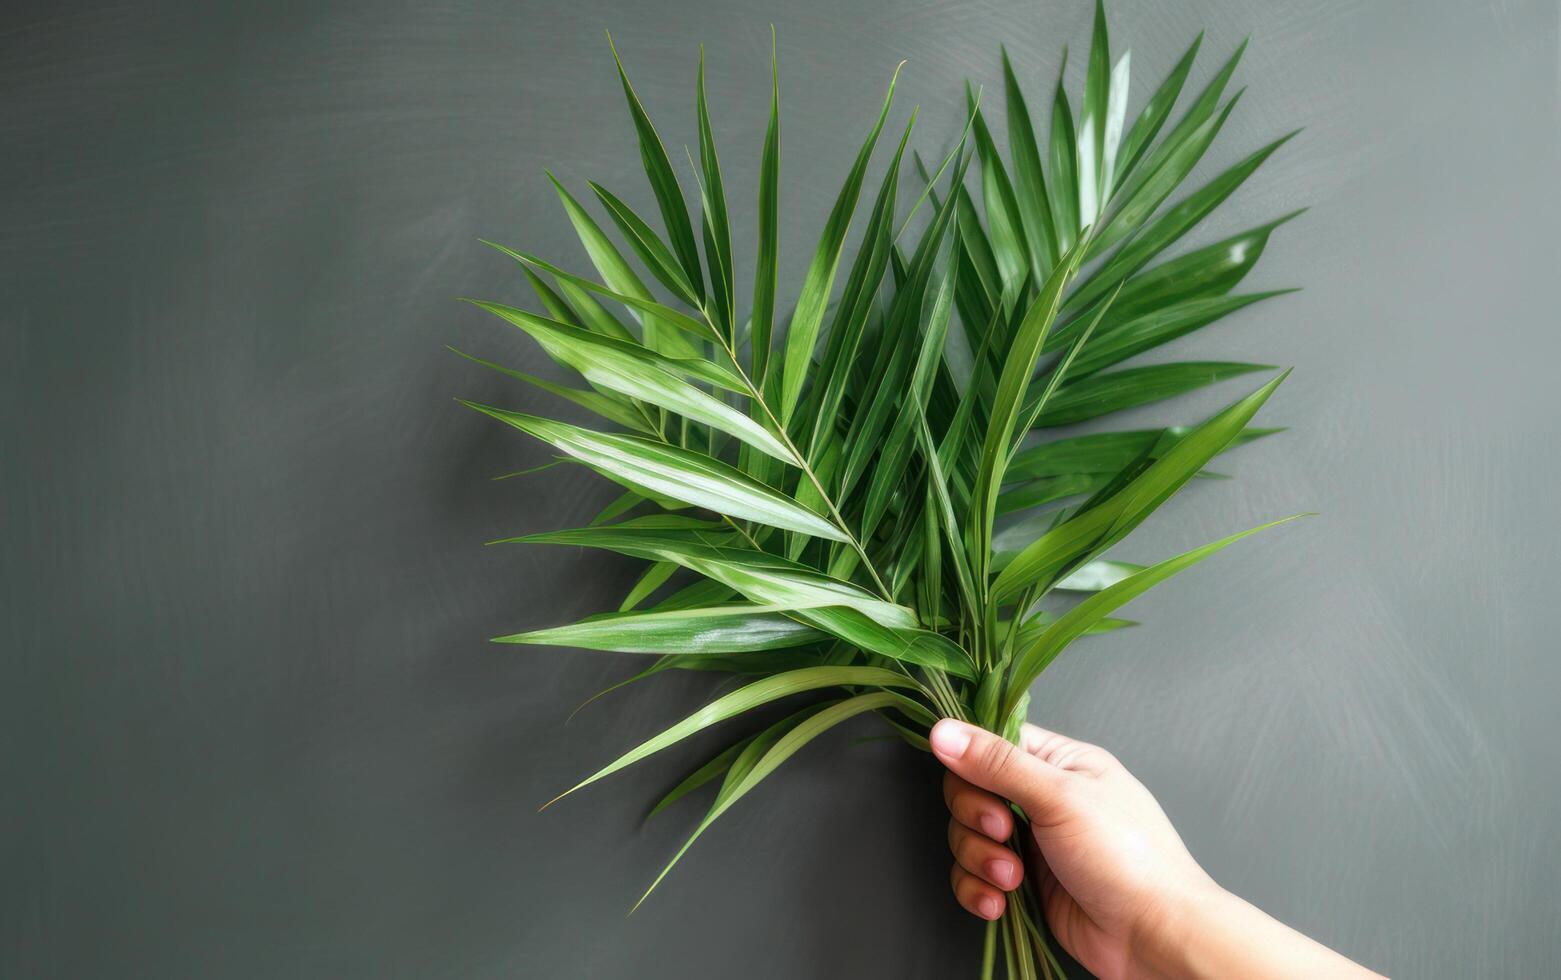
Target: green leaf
<point>620,278</point>
<point>1097,527</point>
<point>680,474</point>
<point>756,663</point>
<point>902,373</point>
<point>1201,109</point>
<point>640,300</point>
<point>894,456</point>
<point>704,774</point>
<point>1064,186</point>
<point>834,374</point>
<point>703,592</point>
<point>942,498</point>
<point>1153,238</point>
<point>802,335</point>
<point>744,699</point>
<point>1002,209</point>
<point>1017,372</point>
<point>1145,195</point>
<point>765,275</point>
<point>720,629</point>
<point>914,646</point>
<point>1092,120</point>
<point>1116,115</point>
<point>555,305</point>
<point>709,550</point>
<point>1100,394</point>
<point>582,308</point>
<point>983,280</point>
<point>607,408</point>
<point>647,245</point>
<point>622,504</point>
<point>528,471</point>
<point>1153,115</point>
<point>718,233</point>
<point>928,192</point>
<point>784,748</point>
<point>654,577</point>
<point>1047,490</point>
<point>1097,575</point>
<point>1072,624</point>
<point>837,607</point>
<point>1029,180</point>
<point>663,182</point>
<point>1209,271</point>
<point>641,374</point>
<point>1035,407</point>
<point>659,665</point>
<point>1160,326</point>
<point>1104,452</point>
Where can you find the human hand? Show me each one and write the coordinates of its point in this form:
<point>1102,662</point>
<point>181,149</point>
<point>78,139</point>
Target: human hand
<point>1110,867</point>
<point>1117,886</point>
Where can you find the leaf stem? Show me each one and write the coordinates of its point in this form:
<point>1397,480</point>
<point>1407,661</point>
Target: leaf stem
<point>802,461</point>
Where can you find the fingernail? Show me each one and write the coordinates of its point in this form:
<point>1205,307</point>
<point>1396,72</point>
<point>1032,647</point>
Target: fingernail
<point>990,907</point>
<point>992,826</point>
<point>1000,873</point>
<point>950,739</point>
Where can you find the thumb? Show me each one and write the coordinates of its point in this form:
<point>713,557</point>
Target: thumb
<point>996,764</point>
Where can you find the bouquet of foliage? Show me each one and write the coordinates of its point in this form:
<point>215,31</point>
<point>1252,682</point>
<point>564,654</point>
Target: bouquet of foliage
<point>863,505</point>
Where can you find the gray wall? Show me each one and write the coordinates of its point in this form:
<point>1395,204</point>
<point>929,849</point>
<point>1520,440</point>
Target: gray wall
<point>250,724</point>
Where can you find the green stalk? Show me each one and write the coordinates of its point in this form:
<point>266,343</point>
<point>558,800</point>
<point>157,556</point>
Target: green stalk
<point>989,952</point>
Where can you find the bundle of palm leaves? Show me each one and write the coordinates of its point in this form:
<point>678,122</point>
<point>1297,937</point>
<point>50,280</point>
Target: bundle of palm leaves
<point>864,506</point>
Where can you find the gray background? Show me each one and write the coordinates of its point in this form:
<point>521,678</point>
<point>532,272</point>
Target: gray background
<point>250,724</point>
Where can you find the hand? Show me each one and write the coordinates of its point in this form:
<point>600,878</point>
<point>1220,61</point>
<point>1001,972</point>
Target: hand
<point>1111,867</point>
<point>1118,887</point>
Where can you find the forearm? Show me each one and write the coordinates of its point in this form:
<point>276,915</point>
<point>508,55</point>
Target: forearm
<point>1214,934</point>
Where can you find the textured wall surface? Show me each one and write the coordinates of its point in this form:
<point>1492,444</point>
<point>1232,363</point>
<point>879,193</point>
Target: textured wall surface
<point>249,724</point>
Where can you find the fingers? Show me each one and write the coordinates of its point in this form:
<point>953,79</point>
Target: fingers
<point>977,809</point>
<point>996,764</point>
<point>1034,738</point>
<point>984,857</point>
<point>978,898</point>
<point>1064,752</point>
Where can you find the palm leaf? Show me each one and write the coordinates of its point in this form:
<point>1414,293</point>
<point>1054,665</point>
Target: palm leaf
<point>809,314</point>
<point>746,699</point>
<point>663,182</point>
<point>721,629</point>
<point>680,474</point>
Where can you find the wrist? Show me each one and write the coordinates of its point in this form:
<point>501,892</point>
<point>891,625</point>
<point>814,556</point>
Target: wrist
<point>1170,940</point>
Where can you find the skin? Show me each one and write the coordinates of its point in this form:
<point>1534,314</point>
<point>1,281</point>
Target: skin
<point>1119,889</point>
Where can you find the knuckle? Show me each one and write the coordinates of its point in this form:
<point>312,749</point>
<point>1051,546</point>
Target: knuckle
<point>951,789</point>
<point>1094,759</point>
<point>963,844</point>
<point>999,758</point>
<point>965,807</point>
